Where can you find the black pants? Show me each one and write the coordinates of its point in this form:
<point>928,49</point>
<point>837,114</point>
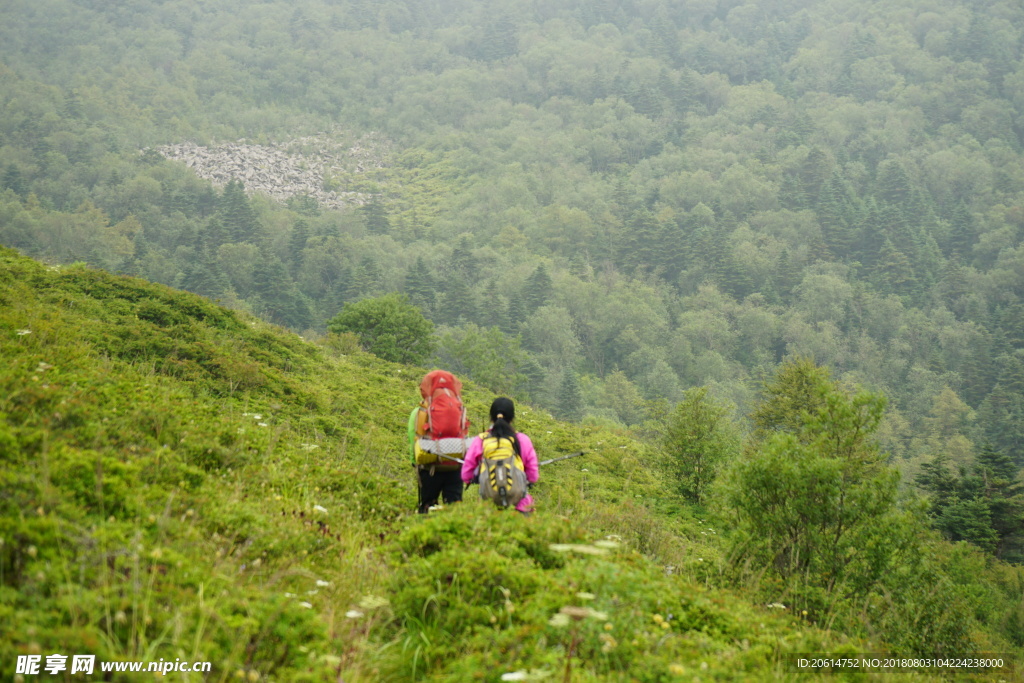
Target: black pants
<point>444,483</point>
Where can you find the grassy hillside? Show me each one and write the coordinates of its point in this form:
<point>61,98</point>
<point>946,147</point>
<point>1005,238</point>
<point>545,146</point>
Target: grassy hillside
<point>180,481</point>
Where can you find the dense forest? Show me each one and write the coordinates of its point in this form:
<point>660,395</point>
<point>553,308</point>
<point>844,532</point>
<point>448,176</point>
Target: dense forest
<point>599,205</point>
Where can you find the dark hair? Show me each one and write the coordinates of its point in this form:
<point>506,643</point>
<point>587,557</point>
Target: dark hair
<point>503,411</point>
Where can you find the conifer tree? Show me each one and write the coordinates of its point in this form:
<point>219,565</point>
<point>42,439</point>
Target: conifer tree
<point>237,214</point>
<point>570,397</point>
<point>462,257</point>
<point>214,234</point>
<point>364,280</point>
<point>14,180</point>
<point>376,216</point>
<point>279,297</point>
<point>459,302</point>
<point>872,235</point>
<point>517,314</point>
<point>420,284</point>
<point>834,215</point>
<point>297,242</point>
<point>537,291</point>
<point>961,233</point>
<point>203,276</point>
<point>893,271</point>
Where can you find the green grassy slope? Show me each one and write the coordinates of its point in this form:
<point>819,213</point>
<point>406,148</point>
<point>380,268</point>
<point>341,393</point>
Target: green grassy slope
<point>179,481</point>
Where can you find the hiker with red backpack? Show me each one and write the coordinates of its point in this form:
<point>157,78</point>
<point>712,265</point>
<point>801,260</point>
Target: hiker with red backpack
<point>438,431</point>
<point>502,461</point>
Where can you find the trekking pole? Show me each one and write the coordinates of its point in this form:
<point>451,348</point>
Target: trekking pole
<point>452,457</point>
<point>564,457</point>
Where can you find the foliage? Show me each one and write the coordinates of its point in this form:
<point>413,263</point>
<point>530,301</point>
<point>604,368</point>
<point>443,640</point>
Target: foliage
<point>983,504</point>
<point>389,327</point>
<point>487,357</point>
<point>537,595</point>
<point>814,507</point>
<point>699,439</point>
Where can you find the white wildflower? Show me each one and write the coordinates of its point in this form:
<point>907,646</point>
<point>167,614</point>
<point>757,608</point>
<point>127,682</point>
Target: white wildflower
<point>307,605</point>
<point>322,583</point>
<point>373,602</point>
<point>577,548</point>
<point>22,333</point>
<point>776,605</point>
<point>589,550</point>
<point>320,508</point>
<point>353,614</point>
<point>579,613</point>
<point>559,620</point>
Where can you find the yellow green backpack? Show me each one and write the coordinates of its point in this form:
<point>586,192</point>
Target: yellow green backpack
<point>502,475</point>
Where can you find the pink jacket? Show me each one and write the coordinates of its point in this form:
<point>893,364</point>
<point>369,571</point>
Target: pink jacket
<point>530,464</point>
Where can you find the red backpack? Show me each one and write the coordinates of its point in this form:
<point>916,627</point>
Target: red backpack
<point>442,425</point>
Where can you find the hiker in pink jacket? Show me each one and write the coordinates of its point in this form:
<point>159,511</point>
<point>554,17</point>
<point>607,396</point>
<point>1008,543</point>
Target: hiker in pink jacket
<point>503,412</point>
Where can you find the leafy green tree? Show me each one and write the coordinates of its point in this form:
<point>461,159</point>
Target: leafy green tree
<point>795,390</point>
<point>621,398</point>
<point>699,438</point>
<point>812,503</point>
<point>389,327</point>
<point>487,356</point>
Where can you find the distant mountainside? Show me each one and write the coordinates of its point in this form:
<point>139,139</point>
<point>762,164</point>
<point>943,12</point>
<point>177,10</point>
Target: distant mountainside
<point>642,196</point>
